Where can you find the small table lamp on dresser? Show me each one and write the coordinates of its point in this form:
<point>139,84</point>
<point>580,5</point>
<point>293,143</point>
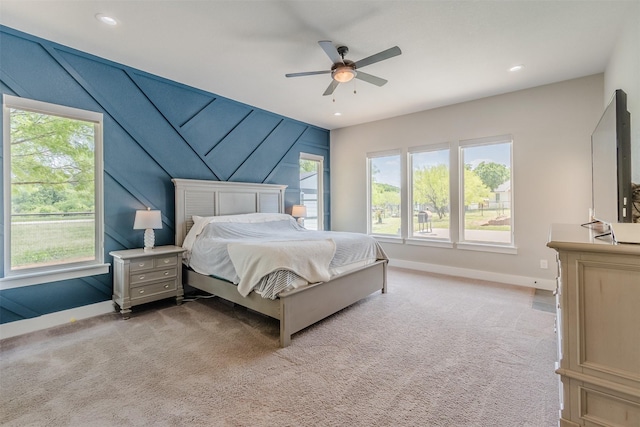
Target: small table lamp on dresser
<point>148,221</point>
<point>299,212</point>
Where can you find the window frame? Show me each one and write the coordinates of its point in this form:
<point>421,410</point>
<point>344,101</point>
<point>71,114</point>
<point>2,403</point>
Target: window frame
<point>480,245</point>
<point>45,274</point>
<point>320,201</point>
<point>456,197</point>
<point>428,240</point>
<point>403,183</point>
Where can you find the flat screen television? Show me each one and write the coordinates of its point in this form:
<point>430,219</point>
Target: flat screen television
<point>611,163</point>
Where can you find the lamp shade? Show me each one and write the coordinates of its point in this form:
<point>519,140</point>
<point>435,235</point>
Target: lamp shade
<point>299,211</point>
<point>147,219</point>
<point>343,74</point>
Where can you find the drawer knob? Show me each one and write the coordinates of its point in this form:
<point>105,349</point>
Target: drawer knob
<point>141,277</point>
<point>166,273</point>
<point>141,291</point>
<point>166,261</point>
<point>166,286</point>
<point>141,264</point>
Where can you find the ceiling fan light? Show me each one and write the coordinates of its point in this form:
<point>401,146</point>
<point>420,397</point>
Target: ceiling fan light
<point>343,74</point>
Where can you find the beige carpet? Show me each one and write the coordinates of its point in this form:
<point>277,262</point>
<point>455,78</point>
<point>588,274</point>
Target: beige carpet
<point>434,351</point>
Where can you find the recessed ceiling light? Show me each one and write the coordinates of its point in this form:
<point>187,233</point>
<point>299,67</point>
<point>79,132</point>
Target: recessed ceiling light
<point>337,113</point>
<point>106,19</point>
<point>516,68</point>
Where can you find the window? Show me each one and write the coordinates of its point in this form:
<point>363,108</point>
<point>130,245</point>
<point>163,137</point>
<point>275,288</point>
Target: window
<point>430,177</point>
<point>311,190</point>
<point>486,207</point>
<point>52,160</point>
<point>451,195</point>
<point>384,176</point>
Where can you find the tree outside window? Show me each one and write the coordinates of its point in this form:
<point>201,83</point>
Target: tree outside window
<point>54,162</point>
<point>430,194</point>
<point>384,195</point>
<point>487,203</point>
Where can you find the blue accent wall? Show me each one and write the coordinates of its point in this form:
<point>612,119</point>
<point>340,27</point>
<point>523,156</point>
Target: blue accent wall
<point>154,130</point>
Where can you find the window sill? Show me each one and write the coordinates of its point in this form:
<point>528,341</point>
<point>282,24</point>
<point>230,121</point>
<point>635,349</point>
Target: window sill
<point>17,281</point>
<point>387,239</point>
<point>487,247</point>
<point>431,242</point>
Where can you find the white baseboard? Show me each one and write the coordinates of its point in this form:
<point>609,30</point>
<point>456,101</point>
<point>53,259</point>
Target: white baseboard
<point>19,327</point>
<point>511,279</point>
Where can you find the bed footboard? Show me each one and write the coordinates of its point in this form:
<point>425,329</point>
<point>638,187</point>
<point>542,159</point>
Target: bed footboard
<point>303,307</point>
<point>299,308</point>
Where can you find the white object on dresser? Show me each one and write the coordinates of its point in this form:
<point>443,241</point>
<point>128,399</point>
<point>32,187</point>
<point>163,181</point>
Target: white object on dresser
<point>598,301</point>
<point>141,276</point>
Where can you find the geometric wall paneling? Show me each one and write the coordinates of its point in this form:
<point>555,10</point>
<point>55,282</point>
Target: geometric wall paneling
<point>120,204</point>
<point>137,169</point>
<point>209,126</point>
<point>237,146</point>
<point>58,87</point>
<point>315,136</point>
<point>9,86</point>
<point>131,109</point>
<point>45,298</point>
<point>12,308</point>
<point>154,130</point>
<point>266,157</point>
<point>177,103</point>
<point>289,173</point>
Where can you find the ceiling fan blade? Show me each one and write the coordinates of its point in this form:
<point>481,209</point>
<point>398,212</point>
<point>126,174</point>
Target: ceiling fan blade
<point>307,73</point>
<point>330,50</point>
<point>380,56</point>
<point>371,79</point>
<point>332,86</point>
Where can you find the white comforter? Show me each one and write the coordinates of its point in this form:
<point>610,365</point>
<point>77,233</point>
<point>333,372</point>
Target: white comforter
<point>240,252</point>
<point>308,259</point>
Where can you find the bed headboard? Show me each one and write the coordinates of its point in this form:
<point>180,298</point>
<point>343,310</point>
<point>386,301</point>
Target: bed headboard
<point>212,198</point>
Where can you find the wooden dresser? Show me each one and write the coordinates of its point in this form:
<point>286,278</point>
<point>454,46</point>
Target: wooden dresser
<point>598,324</point>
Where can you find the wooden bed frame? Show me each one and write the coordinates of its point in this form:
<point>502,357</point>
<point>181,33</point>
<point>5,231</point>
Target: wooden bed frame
<point>295,309</point>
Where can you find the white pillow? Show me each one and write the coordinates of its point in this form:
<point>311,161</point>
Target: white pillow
<point>200,222</point>
<point>250,217</point>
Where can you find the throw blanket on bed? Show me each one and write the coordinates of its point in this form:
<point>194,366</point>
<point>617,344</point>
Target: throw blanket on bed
<point>308,259</point>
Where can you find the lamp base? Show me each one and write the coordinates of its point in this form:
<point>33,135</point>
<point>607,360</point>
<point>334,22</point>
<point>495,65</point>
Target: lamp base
<point>149,239</point>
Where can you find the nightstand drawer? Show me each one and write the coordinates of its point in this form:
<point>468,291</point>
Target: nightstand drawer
<point>141,264</point>
<point>149,276</point>
<point>166,261</point>
<point>153,289</point>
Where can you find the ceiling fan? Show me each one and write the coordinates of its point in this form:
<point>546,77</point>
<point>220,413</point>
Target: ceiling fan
<point>343,70</point>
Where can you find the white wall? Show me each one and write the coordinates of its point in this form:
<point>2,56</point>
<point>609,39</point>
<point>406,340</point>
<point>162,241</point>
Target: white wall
<point>623,72</point>
<point>551,126</point>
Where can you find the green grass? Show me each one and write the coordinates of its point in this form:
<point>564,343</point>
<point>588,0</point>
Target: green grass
<point>473,221</point>
<point>39,243</point>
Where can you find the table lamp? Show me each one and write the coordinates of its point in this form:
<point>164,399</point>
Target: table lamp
<point>148,221</point>
<point>299,212</point>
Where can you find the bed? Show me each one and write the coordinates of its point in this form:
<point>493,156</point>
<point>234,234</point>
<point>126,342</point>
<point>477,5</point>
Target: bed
<point>295,308</point>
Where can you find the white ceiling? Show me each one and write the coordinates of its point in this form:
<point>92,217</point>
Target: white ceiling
<point>452,51</point>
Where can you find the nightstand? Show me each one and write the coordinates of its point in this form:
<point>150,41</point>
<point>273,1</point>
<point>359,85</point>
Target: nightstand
<point>140,277</point>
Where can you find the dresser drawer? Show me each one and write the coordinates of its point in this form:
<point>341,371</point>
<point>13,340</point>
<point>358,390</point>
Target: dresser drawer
<point>165,261</point>
<point>148,276</point>
<point>141,264</point>
<point>153,289</point>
